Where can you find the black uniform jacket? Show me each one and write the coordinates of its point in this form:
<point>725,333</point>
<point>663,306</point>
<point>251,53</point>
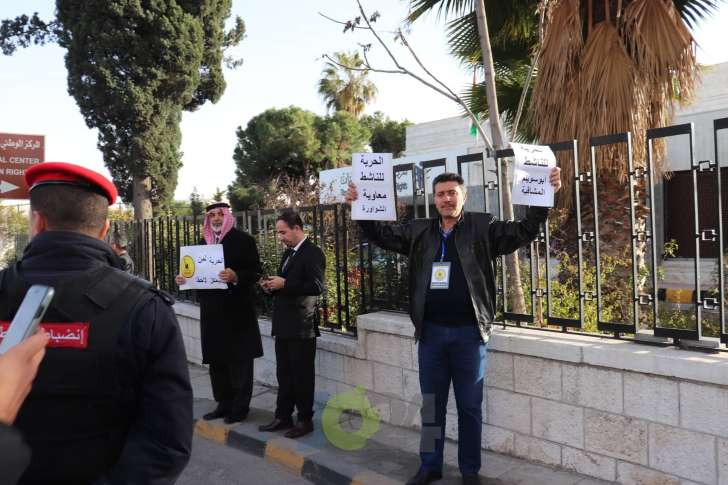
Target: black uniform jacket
<point>14,455</point>
<point>479,239</point>
<point>228,320</point>
<point>151,356</point>
<point>295,306</point>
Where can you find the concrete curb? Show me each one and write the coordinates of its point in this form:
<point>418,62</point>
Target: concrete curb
<point>300,459</point>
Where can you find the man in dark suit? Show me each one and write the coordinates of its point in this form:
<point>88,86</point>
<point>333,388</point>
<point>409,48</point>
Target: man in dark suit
<point>295,324</point>
<point>229,330</point>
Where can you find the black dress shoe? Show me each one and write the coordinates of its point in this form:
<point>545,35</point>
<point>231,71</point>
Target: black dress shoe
<point>424,477</point>
<point>302,428</point>
<point>219,412</point>
<point>235,417</point>
<point>276,425</point>
<point>473,479</point>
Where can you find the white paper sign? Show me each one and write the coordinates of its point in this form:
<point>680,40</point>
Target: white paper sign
<point>374,179</point>
<point>531,185</point>
<point>201,265</point>
<point>333,184</point>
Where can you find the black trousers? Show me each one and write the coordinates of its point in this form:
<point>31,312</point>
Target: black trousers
<point>295,370</point>
<point>232,385</point>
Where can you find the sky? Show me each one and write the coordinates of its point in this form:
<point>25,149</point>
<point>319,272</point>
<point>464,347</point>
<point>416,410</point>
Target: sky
<point>282,65</point>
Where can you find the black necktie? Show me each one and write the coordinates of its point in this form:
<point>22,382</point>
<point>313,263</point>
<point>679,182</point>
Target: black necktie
<point>287,258</point>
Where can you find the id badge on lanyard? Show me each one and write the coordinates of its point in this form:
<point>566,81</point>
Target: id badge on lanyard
<point>440,277</point>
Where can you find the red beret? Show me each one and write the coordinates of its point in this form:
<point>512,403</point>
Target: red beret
<point>60,173</point>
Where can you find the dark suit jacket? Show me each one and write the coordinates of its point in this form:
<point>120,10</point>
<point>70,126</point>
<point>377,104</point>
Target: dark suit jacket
<point>295,306</point>
<point>228,320</point>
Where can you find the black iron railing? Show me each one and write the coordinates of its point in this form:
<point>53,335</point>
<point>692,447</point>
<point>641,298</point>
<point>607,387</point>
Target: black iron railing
<point>580,275</point>
<point>359,277</point>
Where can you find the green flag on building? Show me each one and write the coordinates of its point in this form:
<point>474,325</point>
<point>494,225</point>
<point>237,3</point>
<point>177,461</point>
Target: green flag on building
<point>473,128</point>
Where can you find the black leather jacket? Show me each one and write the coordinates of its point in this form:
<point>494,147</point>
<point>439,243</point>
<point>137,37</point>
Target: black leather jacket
<point>479,239</point>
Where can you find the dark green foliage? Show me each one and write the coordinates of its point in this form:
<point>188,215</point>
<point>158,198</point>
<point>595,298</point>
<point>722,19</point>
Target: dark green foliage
<point>277,141</point>
<point>23,31</point>
<point>513,27</point>
<point>218,195</point>
<point>340,135</point>
<point>387,135</point>
<point>132,68</point>
<point>244,197</point>
<point>693,11</point>
<point>197,203</point>
<point>291,145</point>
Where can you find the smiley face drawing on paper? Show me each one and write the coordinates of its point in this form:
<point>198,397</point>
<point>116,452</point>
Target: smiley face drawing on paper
<point>188,266</point>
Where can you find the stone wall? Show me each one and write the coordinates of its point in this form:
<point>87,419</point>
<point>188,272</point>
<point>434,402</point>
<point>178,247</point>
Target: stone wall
<point>610,409</point>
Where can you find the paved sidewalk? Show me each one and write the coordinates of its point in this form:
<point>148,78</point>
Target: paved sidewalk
<point>388,458</point>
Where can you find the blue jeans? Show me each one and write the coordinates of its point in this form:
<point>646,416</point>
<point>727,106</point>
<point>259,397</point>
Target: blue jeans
<point>454,354</point>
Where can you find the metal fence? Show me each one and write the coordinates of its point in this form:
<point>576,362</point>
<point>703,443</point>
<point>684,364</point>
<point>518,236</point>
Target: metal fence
<point>576,278</point>
<point>359,278</point>
<point>14,232</point>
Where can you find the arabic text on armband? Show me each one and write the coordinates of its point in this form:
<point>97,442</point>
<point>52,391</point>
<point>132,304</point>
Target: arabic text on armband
<point>69,335</point>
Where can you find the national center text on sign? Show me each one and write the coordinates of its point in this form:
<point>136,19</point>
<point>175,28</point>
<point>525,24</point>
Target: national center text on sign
<point>20,160</point>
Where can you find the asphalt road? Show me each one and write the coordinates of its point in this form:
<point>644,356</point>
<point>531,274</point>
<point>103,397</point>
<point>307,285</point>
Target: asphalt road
<point>216,464</point>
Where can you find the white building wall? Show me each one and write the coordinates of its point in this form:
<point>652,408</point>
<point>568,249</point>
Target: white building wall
<point>450,137</point>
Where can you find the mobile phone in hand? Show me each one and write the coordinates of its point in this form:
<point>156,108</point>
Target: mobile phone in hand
<point>28,317</point>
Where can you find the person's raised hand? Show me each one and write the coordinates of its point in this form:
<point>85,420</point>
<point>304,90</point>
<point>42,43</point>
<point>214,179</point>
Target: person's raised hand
<point>555,178</point>
<point>351,193</point>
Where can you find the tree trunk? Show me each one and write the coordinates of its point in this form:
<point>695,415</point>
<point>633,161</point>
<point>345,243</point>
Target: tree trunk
<point>615,247</point>
<point>142,201</point>
<point>513,271</point>
<point>142,197</point>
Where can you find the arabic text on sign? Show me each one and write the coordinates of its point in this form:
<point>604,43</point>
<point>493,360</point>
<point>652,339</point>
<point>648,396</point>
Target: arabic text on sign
<point>19,144</point>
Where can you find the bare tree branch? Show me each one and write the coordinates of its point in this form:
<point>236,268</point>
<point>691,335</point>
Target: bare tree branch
<point>350,24</point>
<point>445,90</point>
<point>401,70</point>
<point>361,69</point>
<point>452,96</point>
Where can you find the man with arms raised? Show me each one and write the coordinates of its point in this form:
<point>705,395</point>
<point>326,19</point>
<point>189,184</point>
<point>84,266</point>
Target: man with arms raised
<point>452,305</point>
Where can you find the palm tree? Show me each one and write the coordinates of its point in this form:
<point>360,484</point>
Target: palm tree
<point>618,66</point>
<point>514,27</point>
<point>344,87</point>
<point>604,66</point>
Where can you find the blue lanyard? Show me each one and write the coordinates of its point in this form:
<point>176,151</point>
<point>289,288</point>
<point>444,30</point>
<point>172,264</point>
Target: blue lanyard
<point>444,235</point>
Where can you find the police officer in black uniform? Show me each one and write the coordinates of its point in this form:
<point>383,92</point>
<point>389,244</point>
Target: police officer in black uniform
<point>112,401</point>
